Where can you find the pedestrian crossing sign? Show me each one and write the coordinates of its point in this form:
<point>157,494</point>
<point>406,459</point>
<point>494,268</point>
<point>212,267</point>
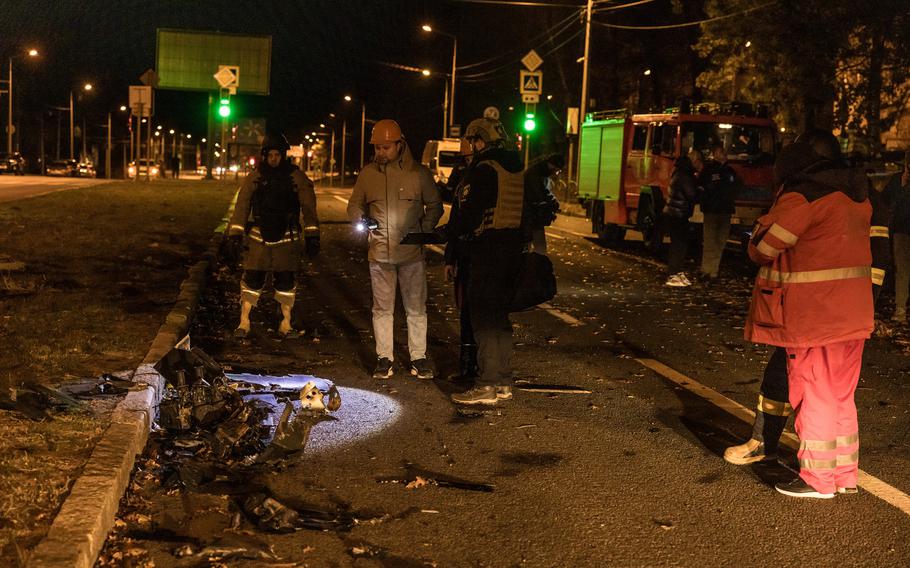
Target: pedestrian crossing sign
<point>531,82</point>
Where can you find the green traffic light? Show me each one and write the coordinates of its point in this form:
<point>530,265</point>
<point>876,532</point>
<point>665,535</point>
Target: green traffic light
<point>530,123</point>
<point>224,111</point>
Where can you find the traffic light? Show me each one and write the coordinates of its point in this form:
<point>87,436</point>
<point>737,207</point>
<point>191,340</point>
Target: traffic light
<point>224,110</point>
<point>530,122</point>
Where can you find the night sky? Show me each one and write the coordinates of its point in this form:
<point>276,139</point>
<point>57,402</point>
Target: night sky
<point>321,51</point>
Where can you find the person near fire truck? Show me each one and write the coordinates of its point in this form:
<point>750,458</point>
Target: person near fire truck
<point>720,185</point>
<point>813,297</point>
<point>773,408</point>
<point>676,215</point>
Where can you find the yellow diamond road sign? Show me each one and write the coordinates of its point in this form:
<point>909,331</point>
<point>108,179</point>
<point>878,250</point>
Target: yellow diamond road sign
<point>228,76</point>
<point>531,61</point>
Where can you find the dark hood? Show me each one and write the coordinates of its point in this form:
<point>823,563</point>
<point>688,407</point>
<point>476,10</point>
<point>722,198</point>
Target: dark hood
<point>826,177</point>
<point>508,159</point>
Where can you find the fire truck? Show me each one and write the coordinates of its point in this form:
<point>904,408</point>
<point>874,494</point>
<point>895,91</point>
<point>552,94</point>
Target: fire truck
<point>626,161</point>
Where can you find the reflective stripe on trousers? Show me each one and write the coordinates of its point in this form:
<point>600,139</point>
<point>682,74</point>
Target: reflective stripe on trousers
<point>822,384</point>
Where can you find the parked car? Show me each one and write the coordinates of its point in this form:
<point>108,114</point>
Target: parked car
<point>12,163</point>
<point>86,170</point>
<point>151,167</point>
<point>68,168</point>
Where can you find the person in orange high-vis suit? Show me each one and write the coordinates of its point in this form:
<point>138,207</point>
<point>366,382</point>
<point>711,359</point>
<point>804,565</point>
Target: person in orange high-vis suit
<point>813,297</point>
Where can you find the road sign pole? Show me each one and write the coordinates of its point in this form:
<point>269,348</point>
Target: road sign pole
<point>210,138</point>
<point>139,140</point>
<point>148,148</point>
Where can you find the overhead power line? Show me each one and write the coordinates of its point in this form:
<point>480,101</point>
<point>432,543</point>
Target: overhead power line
<point>686,24</point>
<point>619,6</point>
<point>510,67</point>
<point>520,4</point>
<point>563,25</point>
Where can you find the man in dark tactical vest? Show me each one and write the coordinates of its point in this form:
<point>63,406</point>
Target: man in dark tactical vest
<point>275,211</point>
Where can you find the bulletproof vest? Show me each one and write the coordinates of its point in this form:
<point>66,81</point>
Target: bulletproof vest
<point>510,198</point>
<point>276,207</point>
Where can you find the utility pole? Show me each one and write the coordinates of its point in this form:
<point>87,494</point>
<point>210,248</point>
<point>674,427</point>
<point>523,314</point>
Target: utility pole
<point>72,134</point>
<point>107,151</point>
<point>332,160</point>
<point>583,109</point>
<point>9,122</point>
<point>454,57</point>
<point>363,124</point>
<point>344,132</point>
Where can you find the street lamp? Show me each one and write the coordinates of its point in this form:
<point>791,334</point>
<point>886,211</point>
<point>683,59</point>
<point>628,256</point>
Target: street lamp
<point>87,87</point>
<point>429,29</point>
<point>445,102</point>
<point>9,91</point>
<point>363,122</point>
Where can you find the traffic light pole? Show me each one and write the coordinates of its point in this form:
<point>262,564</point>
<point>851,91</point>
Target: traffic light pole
<point>210,139</point>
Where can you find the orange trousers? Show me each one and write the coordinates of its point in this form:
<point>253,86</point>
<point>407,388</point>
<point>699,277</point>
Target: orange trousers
<point>822,384</point>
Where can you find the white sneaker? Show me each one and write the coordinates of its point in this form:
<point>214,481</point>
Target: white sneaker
<point>678,281</point>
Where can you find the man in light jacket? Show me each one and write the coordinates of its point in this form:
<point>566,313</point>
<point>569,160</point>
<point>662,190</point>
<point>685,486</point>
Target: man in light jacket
<point>400,197</point>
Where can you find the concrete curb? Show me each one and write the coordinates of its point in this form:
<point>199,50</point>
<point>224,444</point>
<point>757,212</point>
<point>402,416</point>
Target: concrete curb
<point>87,515</point>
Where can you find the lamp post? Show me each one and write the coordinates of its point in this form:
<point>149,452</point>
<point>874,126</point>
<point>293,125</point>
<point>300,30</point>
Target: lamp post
<point>363,122</point>
<point>429,29</point>
<point>9,91</point>
<point>87,88</point>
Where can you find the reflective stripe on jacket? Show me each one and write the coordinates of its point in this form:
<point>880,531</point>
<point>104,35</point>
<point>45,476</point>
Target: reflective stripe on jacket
<point>814,286</point>
<point>242,208</point>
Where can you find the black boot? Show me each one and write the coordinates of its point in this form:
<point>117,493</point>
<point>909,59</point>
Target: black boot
<point>468,361</point>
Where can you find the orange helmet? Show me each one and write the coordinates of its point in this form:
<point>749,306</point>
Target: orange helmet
<point>385,131</point>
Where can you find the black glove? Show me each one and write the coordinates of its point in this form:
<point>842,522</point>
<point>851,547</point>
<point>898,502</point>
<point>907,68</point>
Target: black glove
<point>442,233</point>
<point>311,246</point>
<point>233,250</point>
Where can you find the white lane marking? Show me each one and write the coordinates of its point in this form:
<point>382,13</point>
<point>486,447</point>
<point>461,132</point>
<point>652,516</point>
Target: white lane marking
<point>870,483</point>
<point>560,315</point>
<point>573,233</point>
<point>341,199</point>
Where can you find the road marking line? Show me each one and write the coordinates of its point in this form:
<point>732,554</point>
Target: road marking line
<point>341,199</point>
<point>870,483</point>
<point>574,233</point>
<point>558,314</point>
<point>545,307</point>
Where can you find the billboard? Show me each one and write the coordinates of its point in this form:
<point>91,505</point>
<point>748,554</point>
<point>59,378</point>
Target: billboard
<point>187,60</point>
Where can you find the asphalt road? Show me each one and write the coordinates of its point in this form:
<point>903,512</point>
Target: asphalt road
<point>628,475</point>
<point>14,187</point>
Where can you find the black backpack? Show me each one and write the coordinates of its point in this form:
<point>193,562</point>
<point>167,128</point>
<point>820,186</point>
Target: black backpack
<point>276,207</point>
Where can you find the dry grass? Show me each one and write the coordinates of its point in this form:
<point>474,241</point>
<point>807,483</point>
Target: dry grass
<point>103,267</point>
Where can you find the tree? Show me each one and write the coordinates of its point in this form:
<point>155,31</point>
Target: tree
<point>831,64</point>
<point>784,53</point>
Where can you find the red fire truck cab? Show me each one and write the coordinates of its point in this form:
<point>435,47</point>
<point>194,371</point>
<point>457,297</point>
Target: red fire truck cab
<point>626,162</point>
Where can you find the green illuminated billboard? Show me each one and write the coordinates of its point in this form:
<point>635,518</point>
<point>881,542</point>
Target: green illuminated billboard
<point>187,60</point>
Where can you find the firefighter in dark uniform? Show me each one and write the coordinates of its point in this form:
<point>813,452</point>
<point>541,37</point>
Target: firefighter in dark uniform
<point>773,410</point>
<point>274,212</point>
<point>457,265</point>
<point>490,224</point>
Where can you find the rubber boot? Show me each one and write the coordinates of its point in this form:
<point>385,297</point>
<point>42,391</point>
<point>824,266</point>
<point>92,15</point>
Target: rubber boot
<point>763,445</point>
<point>284,328</point>
<point>244,328</point>
<point>468,361</point>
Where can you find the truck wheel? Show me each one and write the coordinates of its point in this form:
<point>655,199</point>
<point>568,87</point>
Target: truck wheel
<point>612,234</point>
<point>596,207</point>
<point>652,234</point>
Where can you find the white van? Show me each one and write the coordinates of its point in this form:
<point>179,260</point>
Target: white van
<point>440,156</point>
